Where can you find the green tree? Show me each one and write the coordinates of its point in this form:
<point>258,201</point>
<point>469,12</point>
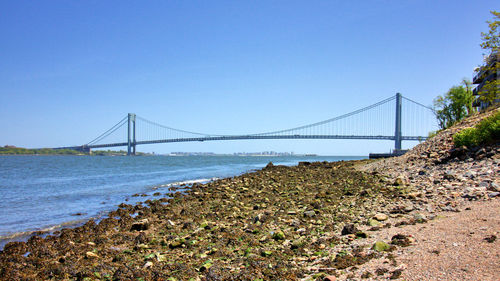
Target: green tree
<point>455,105</point>
<point>491,43</point>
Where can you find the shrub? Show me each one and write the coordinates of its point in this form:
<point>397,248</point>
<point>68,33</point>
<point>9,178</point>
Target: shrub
<point>489,128</point>
<point>468,137</point>
<point>485,132</point>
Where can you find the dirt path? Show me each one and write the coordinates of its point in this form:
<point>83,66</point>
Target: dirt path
<point>452,246</point>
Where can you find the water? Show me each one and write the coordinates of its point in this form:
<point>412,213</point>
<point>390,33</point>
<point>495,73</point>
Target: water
<point>44,193</point>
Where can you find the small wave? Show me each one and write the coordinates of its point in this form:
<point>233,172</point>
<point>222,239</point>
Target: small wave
<point>42,231</point>
<point>186,182</point>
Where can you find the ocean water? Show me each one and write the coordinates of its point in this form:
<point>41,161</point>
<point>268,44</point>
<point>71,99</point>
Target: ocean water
<point>45,193</point>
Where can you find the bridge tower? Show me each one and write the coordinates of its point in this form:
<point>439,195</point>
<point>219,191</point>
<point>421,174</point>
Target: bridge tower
<point>131,134</point>
<point>397,133</point>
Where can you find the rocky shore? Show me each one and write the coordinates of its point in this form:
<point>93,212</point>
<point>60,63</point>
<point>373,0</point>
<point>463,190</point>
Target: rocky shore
<point>315,221</point>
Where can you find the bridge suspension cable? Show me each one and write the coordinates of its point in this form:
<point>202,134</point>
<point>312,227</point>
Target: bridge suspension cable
<point>371,122</point>
<point>329,120</point>
<point>109,132</point>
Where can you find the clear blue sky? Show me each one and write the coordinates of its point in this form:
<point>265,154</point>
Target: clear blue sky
<point>71,69</point>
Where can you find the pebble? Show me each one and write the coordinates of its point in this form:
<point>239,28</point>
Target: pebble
<point>381,217</point>
<point>91,255</point>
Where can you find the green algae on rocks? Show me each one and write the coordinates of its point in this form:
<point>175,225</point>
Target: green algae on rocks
<point>272,224</point>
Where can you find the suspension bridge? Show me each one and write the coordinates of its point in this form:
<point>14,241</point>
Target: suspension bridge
<point>384,120</point>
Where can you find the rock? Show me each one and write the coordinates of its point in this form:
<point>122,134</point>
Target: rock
<point>372,222</point>
<point>206,265</point>
<point>330,278</point>
<point>408,208</point>
<point>396,274</point>
<point>420,218</point>
<point>91,255</point>
<point>266,253</point>
<point>398,181</point>
<point>414,195</point>
<point>484,184</point>
<point>140,225</point>
<point>298,243</point>
<point>494,187</point>
<point>381,217</point>
<point>148,265</point>
<point>470,174</point>
<point>279,235</point>
<point>309,214</point>
<point>490,239</point>
<point>361,234</point>
<point>258,218</point>
<point>449,175</point>
<point>493,194</point>
<point>401,240</point>
<point>349,229</point>
<point>177,243</point>
<point>380,246</point>
<point>292,213</point>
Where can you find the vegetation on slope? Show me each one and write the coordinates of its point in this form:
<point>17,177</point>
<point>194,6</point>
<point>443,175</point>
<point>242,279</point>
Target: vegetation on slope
<point>485,132</point>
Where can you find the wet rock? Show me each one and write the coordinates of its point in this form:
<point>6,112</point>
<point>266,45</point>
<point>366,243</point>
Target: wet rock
<point>381,246</point>
<point>298,243</point>
<point>309,214</point>
<point>140,225</point>
<point>206,265</point>
<point>279,235</point>
<point>349,229</point>
<point>399,181</point>
<point>266,253</point>
<point>269,165</point>
<point>91,255</point>
<point>177,243</point>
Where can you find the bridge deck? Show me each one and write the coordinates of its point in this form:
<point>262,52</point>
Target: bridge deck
<point>244,137</point>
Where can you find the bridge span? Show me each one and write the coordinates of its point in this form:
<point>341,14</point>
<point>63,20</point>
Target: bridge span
<point>368,123</point>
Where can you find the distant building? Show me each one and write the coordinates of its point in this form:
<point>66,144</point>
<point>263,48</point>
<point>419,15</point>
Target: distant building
<point>484,74</point>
